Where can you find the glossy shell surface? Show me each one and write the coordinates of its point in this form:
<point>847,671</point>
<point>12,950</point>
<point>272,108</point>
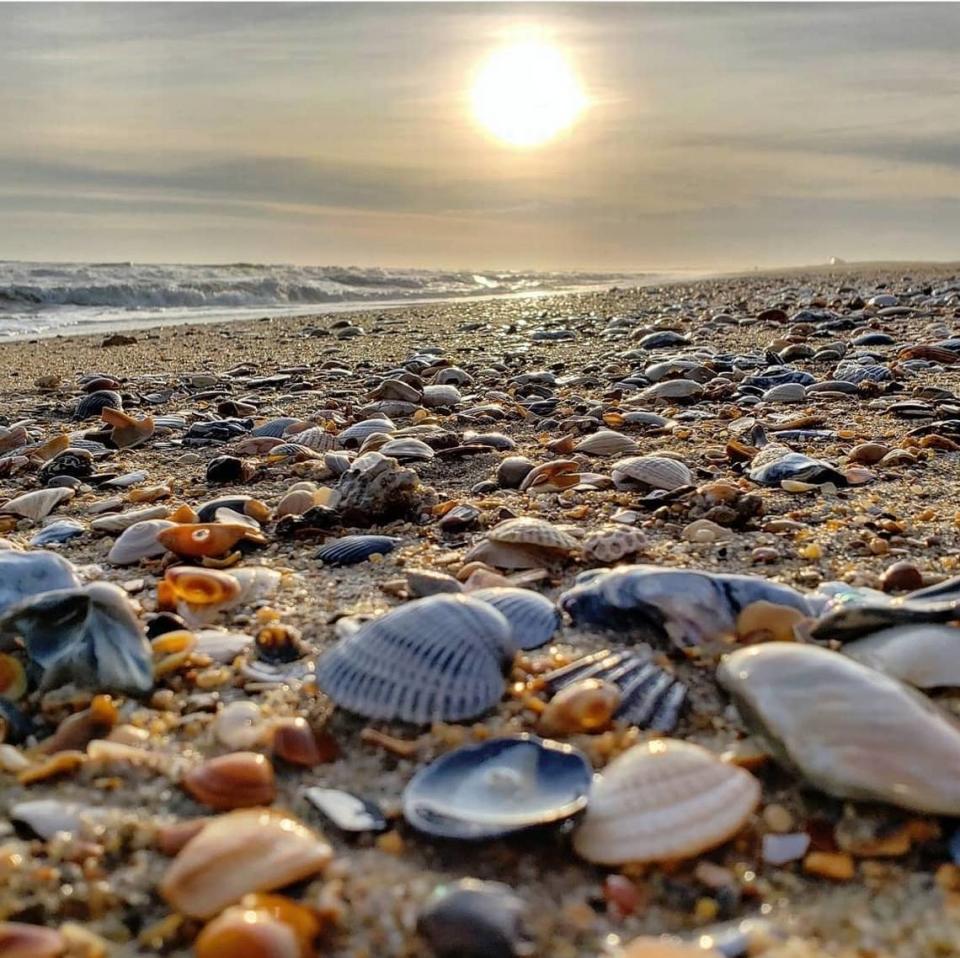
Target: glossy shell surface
<point>349,550</point>
<point>924,656</point>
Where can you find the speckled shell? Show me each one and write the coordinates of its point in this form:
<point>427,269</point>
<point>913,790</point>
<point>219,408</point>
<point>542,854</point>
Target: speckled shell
<point>528,531</point>
<point>862,735</point>
<point>375,487</point>
<point>533,618</point>
<point>354,435</point>
<point>407,449</point>
<point>25,574</point>
<point>441,658</point>
<point>613,543</point>
<point>90,405</point>
<point>664,800</point>
<point>658,472</point>
<point>924,656</point>
<point>606,442</point>
<point>317,438</point>
<point>138,542</point>
<point>349,550</point>
<point>501,786</point>
<point>36,505</point>
<point>650,697</point>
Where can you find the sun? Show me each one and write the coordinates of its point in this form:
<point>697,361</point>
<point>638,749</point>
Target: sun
<point>526,94</point>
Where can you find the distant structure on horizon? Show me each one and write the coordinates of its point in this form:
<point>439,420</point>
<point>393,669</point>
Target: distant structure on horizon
<point>836,261</point>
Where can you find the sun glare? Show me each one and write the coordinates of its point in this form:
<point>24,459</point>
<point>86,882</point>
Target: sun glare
<point>526,93</point>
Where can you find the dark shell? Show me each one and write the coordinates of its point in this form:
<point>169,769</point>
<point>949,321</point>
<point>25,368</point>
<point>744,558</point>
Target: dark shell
<point>228,469</point>
<point>349,813</point>
<point>533,617</point>
<point>650,696</point>
<point>14,724</point>
<point>501,786</point>
<point>71,462</point>
<point>221,430</point>
<point>208,511</point>
<point>474,919</point>
<point>441,658</point>
<point>91,405</point>
<point>26,574</point>
<point>797,466</point>
<point>275,428</point>
<point>314,522</point>
<point>349,550</point>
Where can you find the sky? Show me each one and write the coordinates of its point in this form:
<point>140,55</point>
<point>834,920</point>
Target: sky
<point>715,136</point>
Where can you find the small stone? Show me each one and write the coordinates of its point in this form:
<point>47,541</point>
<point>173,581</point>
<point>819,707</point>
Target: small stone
<point>901,577</point>
<point>781,849</point>
<point>777,818</point>
<point>836,865</point>
<point>765,555</point>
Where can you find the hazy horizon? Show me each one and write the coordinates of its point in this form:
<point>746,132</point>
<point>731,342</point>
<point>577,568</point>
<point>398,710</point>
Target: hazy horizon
<point>715,137</point>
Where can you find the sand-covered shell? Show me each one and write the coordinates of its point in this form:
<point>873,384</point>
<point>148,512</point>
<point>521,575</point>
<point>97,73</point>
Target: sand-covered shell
<point>653,472</point>
<point>924,656</point>
<point>89,636</point>
<point>530,531</point>
<point>533,618</point>
<point>441,658</point>
<point>847,729</point>
<point>200,539</point>
<point>139,541</point>
<point>613,542</point>
<point>349,550</point>
<point>36,505</point>
<point>664,800</point>
<point>249,850</point>
<point>26,574</point>
<point>501,786</point>
<point>353,436</point>
<point>606,442</point>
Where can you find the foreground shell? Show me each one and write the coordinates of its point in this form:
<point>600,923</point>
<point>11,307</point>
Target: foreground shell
<point>924,656</point>
<point>656,472</point>
<point>533,618</point>
<point>847,729</point>
<point>25,574</point>
<point>441,658</point>
<point>196,540</point>
<point>664,800</point>
<point>498,787</point>
<point>241,852</point>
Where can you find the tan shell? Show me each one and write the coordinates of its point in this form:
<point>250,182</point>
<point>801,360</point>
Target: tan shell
<point>613,543</point>
<point>254,849</point>
<point>664,800</point>
<point>552,476</point>
<point>296,502</point>
<point>317,438</point>
<point>509,555</point>
<point>673,389</point>
<point>36,505</point>
<point>528,531</point>
<point>657,472</point>
<point>649,947</point>
<point>606,442</point>
<point>122,522</point>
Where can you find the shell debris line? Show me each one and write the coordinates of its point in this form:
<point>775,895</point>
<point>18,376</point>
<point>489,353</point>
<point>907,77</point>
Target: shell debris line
<point>615,624</point>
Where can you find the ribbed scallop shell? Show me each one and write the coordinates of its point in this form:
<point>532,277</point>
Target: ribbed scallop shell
<point>606,442</point>
<point>658,472</point>
<point>89,407</point>
<point>533,617</point>
<point>441,658</point>
<point>355,434</point>
<point>407,449</point>
<point>317,438</point>
<point>349,550</point>
<point>528,531</point>
<point>664,800</point>
<point>275,428</point>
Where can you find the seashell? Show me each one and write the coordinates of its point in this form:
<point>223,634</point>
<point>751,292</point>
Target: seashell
<point>48,816</point>
<point>705,531</point>
<point>139,541</point>
<point>245,505</point>
<point>507,555</point>
<point>295,742</point>
<point>501,786</point>
<point>353,436</point>
<point>437,395</point>
<point>441,658</point>
<point>13,678</point>
<point>664,800</point>
<point>89,636</point>
<point>349,813</point>
<point>533,618</point>
<point>20,940</point>
<point>656,472</point>
<point>127,432</point>
<point>682,606</point>
<point>252,933</point>
<point>63,763</point>
<point>291,452</point>
<point>296,502</point>
<point>495,440</point>
<point>13,437</point>
<point>587,705</point>
<point>863,735</point>
<point>406,449</point>
<point>529,531</point>
<point>376,487</point>
<point>123,521</point>
<point>36,505</point>
<point>606,442</point>
<point>14,724</point>
<point>924,656</point>
<point>317,438</point>
<point>240,725</point>
<point>237,780</point>
<point>231,469</point>
<point>396,389</point>
<point>25,574</point>
<point>255,445</point>
<point>512,471</point>
<point>56,532</point>
<point>220,645</point>
<point>126,480</point>
<point>94,403</point>
<point>256,582</point>
<point>275,428</point>
<point>77,463</point>
<point>201,539</point>
<point>550,477</point>
<point>475,919</point>
<point>795,467</point>
<point>349,550</point>
<point>768,622</point>
<point>279,643</point>
<point>613,543</point>
<point>202,586</point>
<point>241,852</point>
<point>673,390</point>
<point>460,518</point>
<point>650,697</point>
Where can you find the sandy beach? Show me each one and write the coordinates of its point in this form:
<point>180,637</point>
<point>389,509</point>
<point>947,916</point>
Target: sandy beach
<point>541,375</point>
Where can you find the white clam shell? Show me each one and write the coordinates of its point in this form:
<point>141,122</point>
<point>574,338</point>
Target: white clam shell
<point>139,542</point>
<point>121,522</point>
<point>659,472</point>
<point>924,656</point>
<point>851,731</point>
<point>606,442</point>
<point>664,800</point>
<point>36,505</point>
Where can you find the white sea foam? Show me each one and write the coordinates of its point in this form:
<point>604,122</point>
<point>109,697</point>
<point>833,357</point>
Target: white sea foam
<point>42,298</point>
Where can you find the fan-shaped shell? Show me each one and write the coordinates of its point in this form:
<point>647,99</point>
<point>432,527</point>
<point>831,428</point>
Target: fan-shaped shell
<point>355,434</point>
<point>657,472</point>
<point>435,659</point>
<point>276,428</point>
<point>606,442</point>
<point>533,618</point>
<point>349,550</point>
<point>139,541</point>
<point>664,800</point>
<point>317,438</point>
<point>24,574</point>
<point>92,404</point>
<point>36,505</point>
<point>528,531</point>
<point>498,787</point>
<point>407,449</point>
